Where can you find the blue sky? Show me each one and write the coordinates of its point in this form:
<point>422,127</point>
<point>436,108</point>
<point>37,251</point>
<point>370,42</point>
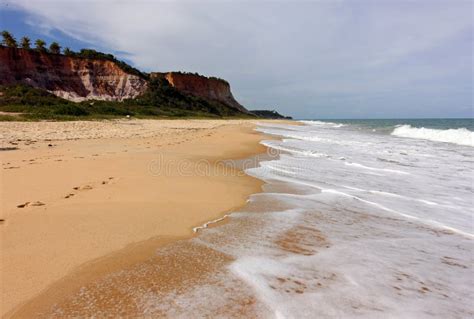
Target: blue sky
<point>308,59</point>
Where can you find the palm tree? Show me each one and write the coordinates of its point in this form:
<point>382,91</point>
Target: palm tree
<point>68,51</point>
<point>55,48</point>
<point>40,45</point>
<point>25,43</point>
<point>8,39</point>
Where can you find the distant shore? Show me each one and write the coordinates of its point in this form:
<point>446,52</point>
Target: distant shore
<point>74,192</point>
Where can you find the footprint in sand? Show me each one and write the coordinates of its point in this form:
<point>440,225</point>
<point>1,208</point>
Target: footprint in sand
<point>82,188</point>
<point>88,187</point>
<point>37,203</point>
<point>107,181</point>
<point>78,188</point>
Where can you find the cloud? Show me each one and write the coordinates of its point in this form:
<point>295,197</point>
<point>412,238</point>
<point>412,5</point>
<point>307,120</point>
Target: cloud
<point>291,56</point>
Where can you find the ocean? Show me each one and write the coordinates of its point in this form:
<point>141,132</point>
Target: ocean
<point>457,131</point>
<point>358,219</point>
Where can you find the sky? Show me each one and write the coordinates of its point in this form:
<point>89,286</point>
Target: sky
<point>308,59</point>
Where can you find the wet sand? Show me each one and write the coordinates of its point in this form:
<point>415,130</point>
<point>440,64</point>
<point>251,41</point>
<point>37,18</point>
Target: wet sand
<point>84,199</point>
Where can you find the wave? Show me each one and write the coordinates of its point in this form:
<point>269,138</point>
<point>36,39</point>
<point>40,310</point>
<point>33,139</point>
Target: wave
<point>294,151</point>
<point>460,136</point>
<point>321,123</point>
<point>377,169</point>
<point>419,219</point>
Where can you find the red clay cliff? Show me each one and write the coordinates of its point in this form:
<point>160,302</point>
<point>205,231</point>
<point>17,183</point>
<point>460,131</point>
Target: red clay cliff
<point>78,79</point>
<point>198,85</point>
<point>72,78</point>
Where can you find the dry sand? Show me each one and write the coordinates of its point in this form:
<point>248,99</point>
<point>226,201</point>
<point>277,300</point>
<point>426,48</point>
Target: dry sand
<point>76,191</point>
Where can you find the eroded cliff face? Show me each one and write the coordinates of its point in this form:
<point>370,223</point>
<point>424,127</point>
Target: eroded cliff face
<point>78,79</point>
<point>75,79</point>
<point>198,85</point>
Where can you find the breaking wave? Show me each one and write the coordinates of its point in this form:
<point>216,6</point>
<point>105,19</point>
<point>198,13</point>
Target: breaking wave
<point>324,124</point>
<point>460,136</point>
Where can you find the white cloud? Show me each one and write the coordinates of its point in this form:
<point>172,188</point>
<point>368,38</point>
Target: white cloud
<point>275,51</point>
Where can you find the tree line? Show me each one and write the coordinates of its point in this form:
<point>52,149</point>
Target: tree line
<point>54,48</point>
<point>25,43</point>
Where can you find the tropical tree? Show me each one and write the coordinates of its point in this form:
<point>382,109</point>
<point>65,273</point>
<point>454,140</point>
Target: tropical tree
<point>8,39</point>
<point>55,48</point>
<point>25,43</point>
<point>68,52</point>
<point>40,45</point>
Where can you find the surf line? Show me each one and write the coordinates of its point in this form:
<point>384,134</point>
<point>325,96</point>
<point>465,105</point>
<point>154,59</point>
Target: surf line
<point>205,225</point>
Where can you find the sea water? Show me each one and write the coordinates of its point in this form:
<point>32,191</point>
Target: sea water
<point>358,219</point>
<point>366,218</point>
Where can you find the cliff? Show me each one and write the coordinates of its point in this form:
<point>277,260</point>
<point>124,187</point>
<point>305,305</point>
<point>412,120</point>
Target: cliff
<point>75,79</point>
<point>92,75</point>
<point>208,88</point>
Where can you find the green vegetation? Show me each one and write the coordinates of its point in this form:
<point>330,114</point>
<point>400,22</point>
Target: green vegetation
<point>267,114</point>
<point>163,96</point>
<point>197,74</point>
<point>159,101</point>
<point>40,45</point>
<point>8,39</point>
<point>68,52</point>
<point>54,48</point>
<point>25,43</point>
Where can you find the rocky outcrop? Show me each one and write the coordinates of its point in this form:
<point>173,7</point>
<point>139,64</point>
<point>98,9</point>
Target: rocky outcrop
<point>72,78</point>
<point>267,114</point>
<point>201,86</point>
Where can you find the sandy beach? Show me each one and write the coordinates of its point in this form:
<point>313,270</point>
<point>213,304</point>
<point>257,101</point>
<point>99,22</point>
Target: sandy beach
<point>74,193</point>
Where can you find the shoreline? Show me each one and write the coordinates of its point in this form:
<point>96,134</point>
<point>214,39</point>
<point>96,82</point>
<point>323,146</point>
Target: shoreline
<point>220,139</point>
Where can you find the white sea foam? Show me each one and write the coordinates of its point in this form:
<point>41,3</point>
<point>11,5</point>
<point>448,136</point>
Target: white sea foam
<point>396,171</point>
<point>321,123</point>
<point>460,136</point>
<point>362,237</point>
<point>205,225</point>
<point>272,145</point>
<point>433,223</point>
<point>401,217</point>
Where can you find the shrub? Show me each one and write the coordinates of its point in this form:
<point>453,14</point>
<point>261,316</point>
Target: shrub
<point>71,109</point>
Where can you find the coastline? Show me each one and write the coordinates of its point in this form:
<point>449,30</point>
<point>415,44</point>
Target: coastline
<point>119,208</point>
<point>302,245</point>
